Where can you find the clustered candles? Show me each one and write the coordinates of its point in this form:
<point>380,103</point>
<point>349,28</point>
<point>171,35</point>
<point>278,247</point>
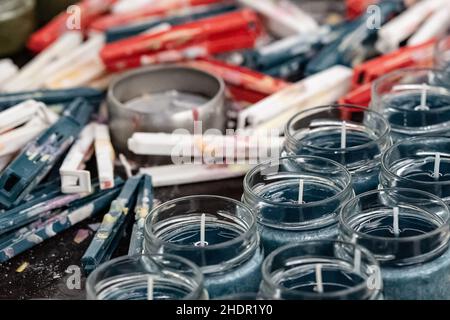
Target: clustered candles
<point>355,207</point>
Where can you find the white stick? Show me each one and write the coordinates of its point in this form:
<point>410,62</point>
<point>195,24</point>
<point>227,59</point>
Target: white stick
<point>357,260</point>
<point>395,224</point>
<point>319,282</point>
<point>7,71</point>
<point>202,231</point>
<point>300,191</point>
<point>150,285</point>
<point>343,135</point>
<point>437,165</point>
<point>104,152</point>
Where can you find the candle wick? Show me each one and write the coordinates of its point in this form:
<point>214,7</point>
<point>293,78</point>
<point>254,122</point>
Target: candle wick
<point>150,288</point>
<point>357,260</point>
<point>343,135</point>
<point>300,191</point>
<point>319,282</point>
<point>396,222</point>
<point>202,230</point>
<point>437,166</point>
<point>423,100</point>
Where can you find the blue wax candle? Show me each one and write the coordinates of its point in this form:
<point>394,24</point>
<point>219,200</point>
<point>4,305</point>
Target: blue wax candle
<point>416,102</point>
<point>146,277</point>
<point>411,243</point>
<point>421,163</point>
<point>321,270</point>
<point>230,256</point>
<point>319,132</point>
<point>296,199</point>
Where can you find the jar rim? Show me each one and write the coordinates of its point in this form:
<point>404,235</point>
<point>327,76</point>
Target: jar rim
<point>443,227</point>
<point>222,245</point>
<point>266,275</point>
<point>257,168</point>
<point>388,152</point>
<point>198,275</point>
<point>385,133</point>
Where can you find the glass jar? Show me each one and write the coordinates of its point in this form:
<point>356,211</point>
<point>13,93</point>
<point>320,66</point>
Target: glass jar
<point>16,24</point>
<point>418,163</point>
<point>320,131</point>
<point>229,253</point>
<point>128,278</point>
<point>407,231</point>
<point>416,102</point>
<point>321,270</point>
<point>296,199</point>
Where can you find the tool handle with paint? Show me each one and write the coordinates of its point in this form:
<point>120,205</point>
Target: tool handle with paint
<point>37,159</point>
<point>104,153</point>
<point>7,71</point>
<point>359,96</point>
<point>57,224</point>
<point>144,204</point>
<point>172,175</point>
<point>238,41</point>
<point>159,10</point>
<point>109,233</point>
<point>400,28</point>
<point>51,97</point>
<point>283,17</point>
<point>120,32</point>
<point>85,12</point>
<point>324,87</point>
<point>241,146</point>
<point>197,31</point>
<point>73,178</point>
<point>434,27</point>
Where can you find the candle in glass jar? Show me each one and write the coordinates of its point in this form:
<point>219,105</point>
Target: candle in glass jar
<point>146,277</point>
<point>407,231</point>
<point>420,163</point>
<point>321,270</point>
<point>353,136</point>
<point>297,199</point>
<point>416,102</point>
<point>218,234</point>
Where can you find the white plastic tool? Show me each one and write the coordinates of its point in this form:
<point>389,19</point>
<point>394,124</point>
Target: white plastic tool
<point>123,6</point>
<point>211,146</point>
<point>171,175</point>
<point>73,178</point>
<point>435,26</point>
<point>404,25</point>
<point>274,111</point>
<point>7,71</point>
<point>284,18</point>
<point>104,152</point>
<point>33,70</point>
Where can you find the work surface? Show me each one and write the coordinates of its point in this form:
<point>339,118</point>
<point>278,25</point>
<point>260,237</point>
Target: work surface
<point>46,276</point>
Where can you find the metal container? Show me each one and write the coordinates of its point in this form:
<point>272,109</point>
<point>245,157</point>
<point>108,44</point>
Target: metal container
<point>150,89</point>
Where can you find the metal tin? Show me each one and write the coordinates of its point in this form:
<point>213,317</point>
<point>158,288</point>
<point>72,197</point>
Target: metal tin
<point>124,121</point>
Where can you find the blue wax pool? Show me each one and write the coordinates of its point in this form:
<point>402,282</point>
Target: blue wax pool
<point>427,280</point>
<point>286,193</point>
<point>327,143</point>
<point>134,287</point>
<point>243,276</point>
<point>407,119</point>
<point>418,173</point>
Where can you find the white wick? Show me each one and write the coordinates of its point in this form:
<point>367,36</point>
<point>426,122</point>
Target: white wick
<point>437,165</point>
<point>300,191</point>
<point>423,100</point>
<point>343,135</point>
<point>319,282</point>
<point>357,260</point>
<point>202,230</point>
<point>150,288</point>
<point>395,223</point>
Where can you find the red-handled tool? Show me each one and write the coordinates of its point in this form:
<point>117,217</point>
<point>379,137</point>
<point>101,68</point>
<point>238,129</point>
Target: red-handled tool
<point>183,35</point>
<point>84,13</point>
<point>163,9</point>
<point>355,8</point>
<point>360,96</point>
<point>239,41</point>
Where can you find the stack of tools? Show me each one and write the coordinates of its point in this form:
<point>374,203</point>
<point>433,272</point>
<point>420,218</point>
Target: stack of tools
<point>270,59</point>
